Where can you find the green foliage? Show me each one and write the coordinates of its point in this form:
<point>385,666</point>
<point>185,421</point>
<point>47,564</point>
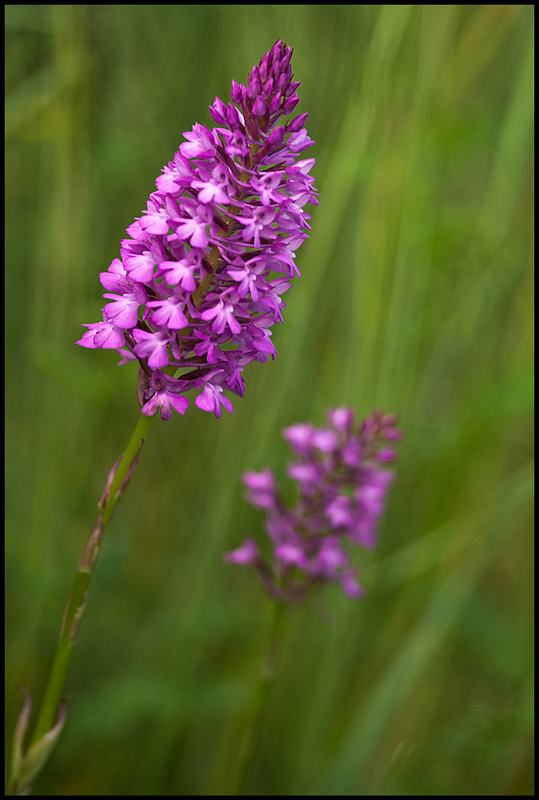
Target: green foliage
<point>415,296</point>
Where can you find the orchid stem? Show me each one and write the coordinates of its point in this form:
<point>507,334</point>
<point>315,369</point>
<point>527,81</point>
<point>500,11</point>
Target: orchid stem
<point>249,747</point>
<point>77,599</point>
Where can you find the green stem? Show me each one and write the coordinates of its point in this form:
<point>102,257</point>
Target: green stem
<point>77,599</point>
<point>249,745</point>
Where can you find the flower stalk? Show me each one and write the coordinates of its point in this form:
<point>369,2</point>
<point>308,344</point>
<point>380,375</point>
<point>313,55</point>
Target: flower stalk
<point>249,747</point>
<point>52,710</point>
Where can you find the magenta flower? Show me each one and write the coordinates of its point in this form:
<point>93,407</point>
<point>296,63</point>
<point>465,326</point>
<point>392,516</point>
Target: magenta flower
<point>164,394</point>
<point>342,484</point>
<point>199,281</point>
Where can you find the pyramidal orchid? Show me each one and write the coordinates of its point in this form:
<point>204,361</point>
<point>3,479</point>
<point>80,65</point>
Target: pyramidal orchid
<point>342,480</point>
<point>199,282</point>
<point>192,299</point>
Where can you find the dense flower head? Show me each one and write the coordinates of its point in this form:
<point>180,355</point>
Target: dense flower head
<point>200,278</point>
<point>342,480</point>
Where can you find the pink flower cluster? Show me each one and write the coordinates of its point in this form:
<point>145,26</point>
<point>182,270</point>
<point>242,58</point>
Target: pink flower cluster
<point>199,281</point>
<point>342,482</point>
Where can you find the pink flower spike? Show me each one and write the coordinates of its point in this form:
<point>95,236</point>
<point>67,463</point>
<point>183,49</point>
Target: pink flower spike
<point>341,492</point>
<point>201,271</point>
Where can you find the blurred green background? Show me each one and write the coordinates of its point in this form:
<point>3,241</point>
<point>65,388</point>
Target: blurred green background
<point>415,296</point>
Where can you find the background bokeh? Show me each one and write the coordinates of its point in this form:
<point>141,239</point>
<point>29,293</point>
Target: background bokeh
<point>415,296</point>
